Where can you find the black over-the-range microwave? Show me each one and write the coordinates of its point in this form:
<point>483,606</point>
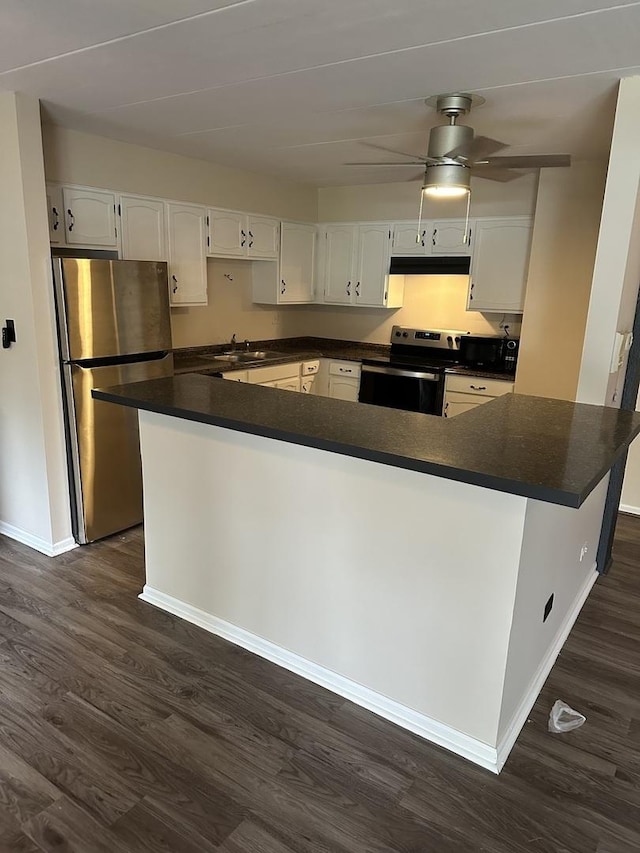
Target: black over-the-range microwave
<point>494,352</point>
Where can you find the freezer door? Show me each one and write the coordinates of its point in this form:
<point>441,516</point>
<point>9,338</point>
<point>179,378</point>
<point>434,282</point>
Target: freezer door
<point>104,448</point>
<point>111,308</point>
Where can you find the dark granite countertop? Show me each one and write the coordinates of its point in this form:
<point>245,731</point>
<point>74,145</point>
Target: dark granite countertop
<point>201,359</point>
<point>550,450</point>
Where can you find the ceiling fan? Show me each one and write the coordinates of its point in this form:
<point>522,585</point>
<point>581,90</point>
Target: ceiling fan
<point>454,152</point>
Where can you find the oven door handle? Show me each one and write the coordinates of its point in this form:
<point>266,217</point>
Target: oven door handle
<point>395,371</point>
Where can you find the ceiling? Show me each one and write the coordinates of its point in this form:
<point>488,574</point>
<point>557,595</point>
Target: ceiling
<point>293,87</point>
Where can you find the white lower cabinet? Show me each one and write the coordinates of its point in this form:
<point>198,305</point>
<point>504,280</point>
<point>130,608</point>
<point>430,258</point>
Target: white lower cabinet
<point>466,392</point>
<point>283,376</point>
<point>344,380</point>
<point>187,231</point>
<point>236,375</point>
<point>142,228</point>
<point>500,264</point>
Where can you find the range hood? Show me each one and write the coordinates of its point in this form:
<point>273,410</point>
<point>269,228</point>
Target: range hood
<point>433,265</point>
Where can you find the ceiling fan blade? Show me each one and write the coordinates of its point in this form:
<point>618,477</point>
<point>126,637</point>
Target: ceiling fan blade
<point>535,161</point>
<point>387,163</point>
<point>393,151</point>
<point>492,173</point>
<point>479,148</point>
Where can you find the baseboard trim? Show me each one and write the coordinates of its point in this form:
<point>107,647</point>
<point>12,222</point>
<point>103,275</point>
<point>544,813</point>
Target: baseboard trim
<point>524,709</point>
<point>420,724</point>
<point>35,542</point>
<point>632,510</point>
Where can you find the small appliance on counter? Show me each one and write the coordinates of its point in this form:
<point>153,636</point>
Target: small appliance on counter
<point>491,352</point>
<point>412,376</point>
<point>114,327</point>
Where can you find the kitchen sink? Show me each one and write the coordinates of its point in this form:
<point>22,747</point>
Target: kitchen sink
<point>249,355</point>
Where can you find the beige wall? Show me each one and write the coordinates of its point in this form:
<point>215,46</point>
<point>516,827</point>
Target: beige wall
<point>400,201</point>
<point>95,161</point>
<point>559,283</point>
<point>429,302</point>
<point>34,502</point>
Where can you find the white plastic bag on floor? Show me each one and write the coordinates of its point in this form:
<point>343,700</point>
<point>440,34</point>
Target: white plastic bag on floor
<point>563,718</point>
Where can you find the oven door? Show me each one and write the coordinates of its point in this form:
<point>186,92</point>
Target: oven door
<point>400,388</point>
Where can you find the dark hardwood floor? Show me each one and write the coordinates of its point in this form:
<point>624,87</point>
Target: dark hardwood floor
<point>125,729</point>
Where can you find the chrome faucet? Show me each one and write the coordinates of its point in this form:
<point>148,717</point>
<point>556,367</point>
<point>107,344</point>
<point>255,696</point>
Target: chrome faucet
<point>233,342</point>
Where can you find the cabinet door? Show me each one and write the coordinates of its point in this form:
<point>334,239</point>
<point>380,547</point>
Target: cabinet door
<point>142,229</point>
<point>263,237</point>
<point>291,384</point>
<point>339,252</point>
<point>450,237</point>
<point>90,217</point>
<point>456,403</point>
<point>499,264</point>
<point>297,262</point>
<point>227,234</point>
<point>344,388</point>
<point>55,214</point>
<point>187,258</point>
<point>408,241</point>
<point>373,265</point>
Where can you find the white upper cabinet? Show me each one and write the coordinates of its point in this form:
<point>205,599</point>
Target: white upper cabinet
<point>500,264</point>
<point>340,242</point>
<point>90,217</point>
<point>142,228</point>
<point>55,214</point>
<point>263,237</point>
<point>355,265</point>
<point>450,237</point>
<point>227,234</point>
<point>372,266</point>
<point>187,231</point>
<point>408,240</point>
<point>233,234</point>
<point>297,262</point>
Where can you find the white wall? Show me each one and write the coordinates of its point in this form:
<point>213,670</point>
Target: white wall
<point>34,504</point>
<point>565,233</point>
<point>549,564</point>
<point>617,263</point>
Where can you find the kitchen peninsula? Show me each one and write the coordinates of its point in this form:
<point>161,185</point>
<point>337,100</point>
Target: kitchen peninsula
<point>427,569</point>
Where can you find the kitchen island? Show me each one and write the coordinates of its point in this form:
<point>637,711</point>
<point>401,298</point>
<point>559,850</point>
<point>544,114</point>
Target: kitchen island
<point>427,569</point>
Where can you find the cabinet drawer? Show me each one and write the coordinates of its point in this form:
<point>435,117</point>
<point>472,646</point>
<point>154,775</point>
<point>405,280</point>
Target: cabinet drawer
<point>275,373</point>
<point>344,368</point>
<point>237,375</point>
<point>479,385</point>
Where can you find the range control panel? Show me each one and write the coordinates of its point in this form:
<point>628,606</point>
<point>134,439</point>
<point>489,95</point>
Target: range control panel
<point>441,338</point>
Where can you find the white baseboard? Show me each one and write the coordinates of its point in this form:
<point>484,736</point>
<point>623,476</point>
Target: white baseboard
<point>524,709</point>
<point>35,542</point>
<point>428,728</point>
<point>632,510</point>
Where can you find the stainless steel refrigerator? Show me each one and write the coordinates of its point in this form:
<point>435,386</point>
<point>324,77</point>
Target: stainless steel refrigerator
<point>114,327</point>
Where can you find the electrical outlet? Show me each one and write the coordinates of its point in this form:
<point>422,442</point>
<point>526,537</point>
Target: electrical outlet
<point>584,551</point>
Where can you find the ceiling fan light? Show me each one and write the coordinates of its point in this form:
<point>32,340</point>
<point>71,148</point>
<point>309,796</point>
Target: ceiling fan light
<point>447,180</point>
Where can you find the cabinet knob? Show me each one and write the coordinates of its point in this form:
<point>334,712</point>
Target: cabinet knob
<point>72,220</point>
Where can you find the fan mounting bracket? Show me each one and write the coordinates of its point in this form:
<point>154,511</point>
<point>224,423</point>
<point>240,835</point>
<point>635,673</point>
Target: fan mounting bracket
<point>454,104</point>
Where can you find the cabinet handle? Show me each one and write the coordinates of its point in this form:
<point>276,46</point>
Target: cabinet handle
<point>471,292</point>
<point>72,218</point>
<point>348,288</point>
<point>424,234</point>
<point>175,285</point>
<point>54,210</point>
<point>433,237</point>
<point>345,370</point>
<point>251,240</point>
<point>469,239</point>
<point>446,409</point>
<point>478,387</point>
<point>284,285</point>
<point>244,238</point>
<point>357,288</point>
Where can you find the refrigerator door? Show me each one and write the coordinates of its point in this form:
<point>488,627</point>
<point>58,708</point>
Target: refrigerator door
<point>111,308</point>
<point>104,448</point>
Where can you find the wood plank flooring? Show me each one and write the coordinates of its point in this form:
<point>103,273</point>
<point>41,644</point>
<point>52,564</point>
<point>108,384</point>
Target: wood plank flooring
<point>123,729</point>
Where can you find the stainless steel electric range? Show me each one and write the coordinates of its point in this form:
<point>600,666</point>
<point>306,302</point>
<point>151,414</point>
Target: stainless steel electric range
<point>412,376</point>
